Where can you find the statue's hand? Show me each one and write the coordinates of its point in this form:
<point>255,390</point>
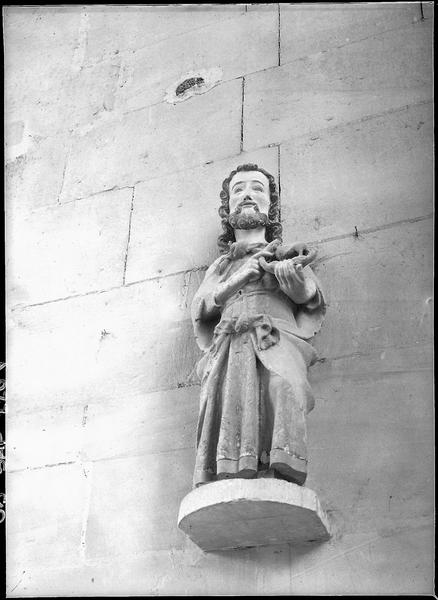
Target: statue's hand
<point>252,270</point>
<point>293,282</point>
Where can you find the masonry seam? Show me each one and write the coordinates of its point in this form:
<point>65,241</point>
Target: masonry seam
<point>242,114</point>
<point>63,176</point>
<point>374,229</point>
<point>129,237</point>
<point>279,34</point>
<point>279,180</point>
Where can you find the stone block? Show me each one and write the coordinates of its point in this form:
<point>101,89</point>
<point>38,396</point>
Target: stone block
<point>360,175</point>
<point>114,30</point>
<point>44,437</point>
<point>45,516</point>
<point>41,50</point>
<point>140,575</point>
<point>76,248</point>
<point>374,564</point>
<point>178,572</point>
<point>375,428</point>
<point>373,76</point>
<point>144,424</point>
<point>172,205</point>
<point>378,288</point>
<point>28,29</point>
<point>250,571</point>
<point>159,140</point>
<point>240,513</point>
<point>111,345</point>
<point>91,100</point>
<point>47,86</point>
<point>241,44</point>
<point>311,28</point>
<point>138,487</point>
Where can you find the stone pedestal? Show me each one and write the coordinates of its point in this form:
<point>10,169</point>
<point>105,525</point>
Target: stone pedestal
<point>241,513</point>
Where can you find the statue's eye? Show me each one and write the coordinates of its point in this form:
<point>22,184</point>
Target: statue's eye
<point>258,188</point>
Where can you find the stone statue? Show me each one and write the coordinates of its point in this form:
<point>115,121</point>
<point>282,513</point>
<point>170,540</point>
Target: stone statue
<point>256,308</point>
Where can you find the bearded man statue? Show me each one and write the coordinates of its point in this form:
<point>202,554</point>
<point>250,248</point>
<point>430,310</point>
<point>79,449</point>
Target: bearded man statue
<point>253,315</point>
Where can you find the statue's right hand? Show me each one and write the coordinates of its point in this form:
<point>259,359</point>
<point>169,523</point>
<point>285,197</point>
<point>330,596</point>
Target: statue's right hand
<point>252,270</point>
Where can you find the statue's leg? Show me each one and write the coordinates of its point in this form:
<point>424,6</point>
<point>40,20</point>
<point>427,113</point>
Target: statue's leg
<point>283,425</point>
<point>237,443</point>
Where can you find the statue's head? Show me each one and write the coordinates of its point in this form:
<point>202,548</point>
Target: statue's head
<point>249,200</point>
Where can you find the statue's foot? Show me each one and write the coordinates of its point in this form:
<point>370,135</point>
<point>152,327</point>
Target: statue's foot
<point>275,473</point>
<point>288,474</point>
<point>243,474</point>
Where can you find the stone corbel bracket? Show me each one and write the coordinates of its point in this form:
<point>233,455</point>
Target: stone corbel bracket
<point>242,513</point>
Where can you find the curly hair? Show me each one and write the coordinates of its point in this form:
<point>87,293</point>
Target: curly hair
<point>273,229</point>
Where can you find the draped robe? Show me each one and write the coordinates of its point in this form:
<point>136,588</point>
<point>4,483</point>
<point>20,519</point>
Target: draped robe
<point>254,387</point>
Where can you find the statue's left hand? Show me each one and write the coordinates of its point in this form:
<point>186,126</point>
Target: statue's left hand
<point>293,282</point>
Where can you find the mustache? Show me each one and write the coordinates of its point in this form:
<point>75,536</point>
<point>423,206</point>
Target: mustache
<point>239,207</point>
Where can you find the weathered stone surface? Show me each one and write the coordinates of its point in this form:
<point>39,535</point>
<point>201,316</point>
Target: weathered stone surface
<point>144,424</point>
<point>75,248</point>
<point>380,455</point>
<point>45,437</point>
<point>161,139</point>
<point>48,86</point>
<point>170,204</point>
<point>310,28</point>
<point>250,36</point>
<point>62,351</point>
<point>249,571</point>
<point>45,503</point>
<point>39,55</point>
<point>363,273</point>
<point>339,86</point>
<point>394,151</point>
<point>144,26</point>
<point>160,572</point>
<point>374,557</point>
<point>141,491</point>
<point>89,431</point>
<point>240,513</point>
<point>34,178</point>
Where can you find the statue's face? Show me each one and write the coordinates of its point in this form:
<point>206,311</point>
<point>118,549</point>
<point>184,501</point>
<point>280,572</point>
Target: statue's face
<point>249,193</point>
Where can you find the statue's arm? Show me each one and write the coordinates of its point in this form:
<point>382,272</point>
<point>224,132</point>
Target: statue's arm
<point>204,307</point>
<point>251,270</point>
<point>217,288</point>
<point>294,283</point>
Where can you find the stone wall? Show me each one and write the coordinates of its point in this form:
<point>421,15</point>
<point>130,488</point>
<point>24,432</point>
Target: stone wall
<point>112,196</point>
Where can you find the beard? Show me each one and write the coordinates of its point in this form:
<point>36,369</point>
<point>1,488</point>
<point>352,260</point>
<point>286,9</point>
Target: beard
<point>254,220</point>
